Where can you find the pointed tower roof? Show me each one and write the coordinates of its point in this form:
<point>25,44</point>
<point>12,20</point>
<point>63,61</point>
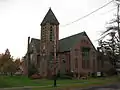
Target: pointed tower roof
<point>50,18</point>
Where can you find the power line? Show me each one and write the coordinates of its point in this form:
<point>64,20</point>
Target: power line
<point>109,11</point>
<point>88,14</point>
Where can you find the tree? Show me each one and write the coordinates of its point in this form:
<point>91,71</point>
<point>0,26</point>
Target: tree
<point>17,63</point>
<point>11,67</point>
<point>110,48</point>
<point>113,25</point>
<point>7,64</point>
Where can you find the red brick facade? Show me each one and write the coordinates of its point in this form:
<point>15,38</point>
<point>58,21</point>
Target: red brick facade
<point>73,58</point>
<point>74,54</point>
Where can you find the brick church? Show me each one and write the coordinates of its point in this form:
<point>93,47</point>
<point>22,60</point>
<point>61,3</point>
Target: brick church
<point>50,54</point>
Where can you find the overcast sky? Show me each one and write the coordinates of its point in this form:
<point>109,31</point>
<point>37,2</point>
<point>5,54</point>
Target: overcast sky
<point>21,18</point>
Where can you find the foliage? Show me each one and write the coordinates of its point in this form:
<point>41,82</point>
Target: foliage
<point>111,72</point>
<point>70,74</point>
<point>17,63</point>
<point>60,76</point>
<point>110,48</point>
<point>82,74</point>
<point>7,64</point>
<point>110,41</point>
<point>112,26</point>
<point>63,76</point>
<point>35,76</point>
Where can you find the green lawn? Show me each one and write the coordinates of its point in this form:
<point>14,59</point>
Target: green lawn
<point>82,84</point>
<point>19,81</point>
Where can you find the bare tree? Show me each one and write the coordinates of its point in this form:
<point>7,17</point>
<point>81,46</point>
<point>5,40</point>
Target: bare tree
<point>111,46</point>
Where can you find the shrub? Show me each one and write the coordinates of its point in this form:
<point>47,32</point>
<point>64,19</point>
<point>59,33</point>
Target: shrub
<point>63,76</point>
<point>111,72</point>
<point>82,74</point>
<point>93,74</point>
<point>70,74</point>
<point>32,70</point>
<point>35,76</point>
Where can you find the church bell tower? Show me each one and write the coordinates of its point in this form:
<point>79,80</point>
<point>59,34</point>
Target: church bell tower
<point>49,42</point>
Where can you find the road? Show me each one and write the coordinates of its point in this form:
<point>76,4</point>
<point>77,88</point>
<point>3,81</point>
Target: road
<point>104,87</point>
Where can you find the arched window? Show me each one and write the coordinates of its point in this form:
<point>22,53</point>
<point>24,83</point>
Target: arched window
<point>76,63</point>
<point>43,34</point>
<point>85,58</point>
<point>51,33</point>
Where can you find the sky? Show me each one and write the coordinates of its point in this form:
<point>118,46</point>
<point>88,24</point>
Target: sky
<point>21,18</point>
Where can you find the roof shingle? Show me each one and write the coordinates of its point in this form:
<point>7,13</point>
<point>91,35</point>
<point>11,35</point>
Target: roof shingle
<point>50,18</point>
<point>67,43</point>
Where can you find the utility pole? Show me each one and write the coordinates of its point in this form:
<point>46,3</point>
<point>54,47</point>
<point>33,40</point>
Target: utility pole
<point>118,30</point>
<point>118,22</point>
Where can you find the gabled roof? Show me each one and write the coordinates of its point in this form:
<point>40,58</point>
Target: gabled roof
<point>68,43</point>
<point>36,44</point>
<point>50,18</point>
<point>65,44</point>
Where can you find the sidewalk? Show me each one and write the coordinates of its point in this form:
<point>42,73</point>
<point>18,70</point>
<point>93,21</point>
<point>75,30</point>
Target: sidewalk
<point>31,87</point>
<point>23,88</point>
<point>98,87</point>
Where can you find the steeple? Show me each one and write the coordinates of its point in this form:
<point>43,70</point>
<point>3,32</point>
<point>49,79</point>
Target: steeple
<point>50,18</point>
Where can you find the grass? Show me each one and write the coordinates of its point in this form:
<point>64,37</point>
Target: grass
<point>20,81</point>
<point>87,83</point>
